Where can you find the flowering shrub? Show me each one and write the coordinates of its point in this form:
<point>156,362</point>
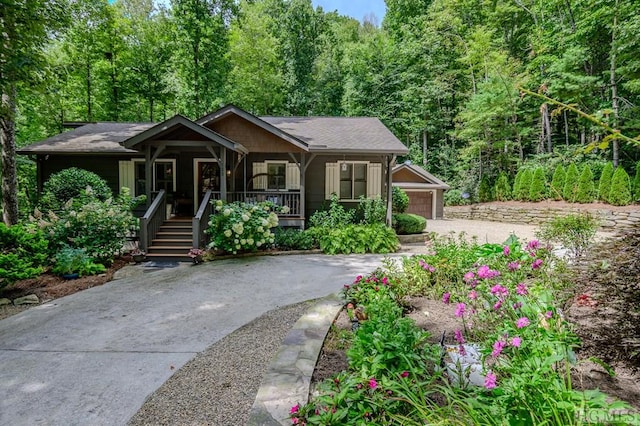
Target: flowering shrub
<point>99,227</point>
<point>239,226</point>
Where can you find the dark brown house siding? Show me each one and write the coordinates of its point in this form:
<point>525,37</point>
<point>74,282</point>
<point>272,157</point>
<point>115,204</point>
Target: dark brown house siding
<point>252,137</point>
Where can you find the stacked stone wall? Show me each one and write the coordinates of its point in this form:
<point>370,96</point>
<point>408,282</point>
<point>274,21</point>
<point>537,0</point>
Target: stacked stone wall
<point>534,215</point>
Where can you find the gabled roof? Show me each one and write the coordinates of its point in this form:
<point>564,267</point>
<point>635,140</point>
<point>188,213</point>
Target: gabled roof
<point>429,180</point>
<point>342,135</point>
<point>176,122</point>
<point>90,138</point>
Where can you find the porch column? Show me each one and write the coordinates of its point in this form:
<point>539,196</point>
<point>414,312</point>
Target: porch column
<point>303,174</point>
<point>223,173</point>
<point>148,174</point>
<point>390,160</point>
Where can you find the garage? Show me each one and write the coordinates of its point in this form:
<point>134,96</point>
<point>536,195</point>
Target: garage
<point>425,191</point>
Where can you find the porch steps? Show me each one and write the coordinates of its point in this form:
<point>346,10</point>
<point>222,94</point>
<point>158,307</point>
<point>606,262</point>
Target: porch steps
<point>173,241</point>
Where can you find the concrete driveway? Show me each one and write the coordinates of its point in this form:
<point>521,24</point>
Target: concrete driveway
<point>92,358</point>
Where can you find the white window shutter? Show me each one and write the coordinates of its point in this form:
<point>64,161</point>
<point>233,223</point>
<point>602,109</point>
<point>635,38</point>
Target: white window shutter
<point>260,182</point>
<point>331,180</point>
<point>374,180</point>
<point>293,176</point>
<point>127,176</point>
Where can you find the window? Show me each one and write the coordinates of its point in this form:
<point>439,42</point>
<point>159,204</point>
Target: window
<point>276,176</point>
<point>353,180</point>
<point>132,175</point>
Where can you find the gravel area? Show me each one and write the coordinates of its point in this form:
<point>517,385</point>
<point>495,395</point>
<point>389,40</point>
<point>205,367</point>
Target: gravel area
<point>219,385</point>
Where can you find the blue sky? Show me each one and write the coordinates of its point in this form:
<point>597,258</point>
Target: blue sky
<point>355,8</point>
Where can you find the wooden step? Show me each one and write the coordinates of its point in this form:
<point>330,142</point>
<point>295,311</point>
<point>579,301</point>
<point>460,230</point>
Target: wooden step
<point>174,235</point>
<point>169,249</point>
<point>182,242</point>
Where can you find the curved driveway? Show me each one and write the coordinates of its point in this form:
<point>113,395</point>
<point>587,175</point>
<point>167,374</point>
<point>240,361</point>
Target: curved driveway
<point>92,358</point>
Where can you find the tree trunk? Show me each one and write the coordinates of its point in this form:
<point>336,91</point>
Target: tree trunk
<point>566,128</point>
<point>88,78</point>
<point>8,146</point>
<point>614,86</point>
<point>425,140</point>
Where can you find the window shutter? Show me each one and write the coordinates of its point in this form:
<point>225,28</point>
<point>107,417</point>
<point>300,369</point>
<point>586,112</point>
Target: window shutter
<point>260,182</point>
<point>127,176</point>
<point>331,180</point>
<point>293,176</point>
<point>374,180</point>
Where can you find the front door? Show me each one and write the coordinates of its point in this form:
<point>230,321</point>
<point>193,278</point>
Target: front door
<point>207,176</point>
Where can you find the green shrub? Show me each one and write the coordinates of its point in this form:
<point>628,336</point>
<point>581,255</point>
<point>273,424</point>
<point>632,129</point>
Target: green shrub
<point>538,185</point>
<point>454,197</point>
<point>335,216</point>
<point>620,193</point>
<point>570,189</point>
<point>371,210</point>
<point>586,188</point>
<point>399,200</point>
<point>604,183</point>
<point>524,186</point>
<point>23,252</point>
<point>240,226</point>
<point>636,184</point>
<point>574,232</point>
<point>71,260</point>
<point>557,182</point>
<point>99,227</point>
<point>502,188</point>
<point>516,184</point>
<point>73,183</point>
<point>407,223</point>
<point>293,239</point>
<point>484,190</point>
<point>348,239</point>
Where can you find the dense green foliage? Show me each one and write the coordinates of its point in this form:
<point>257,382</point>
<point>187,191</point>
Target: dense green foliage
<point>69,260</point>
<point>377,238</point>
<point>502,189</point>
<point>293,239</point>
<point>484,190</point>
<point>524,185</point>
<point>574,232</point>
<point>24,251</point>
<point>371,210</point>
<point>72,183</point>
<point>557,182</point>
<point>586,192</point>
<point>406,223</point>
<point>399,200</point>
<point>604,183</point>
<point>620,193</point>
<point>636,184</point>
<point>333,217</point>
<point>537,191</point>
<point>570,189</point>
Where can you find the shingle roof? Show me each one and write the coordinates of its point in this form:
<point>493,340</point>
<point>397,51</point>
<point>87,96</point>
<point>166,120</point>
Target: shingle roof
<point>430,181</point>
<point>92,137</point>
<point>340,134</point>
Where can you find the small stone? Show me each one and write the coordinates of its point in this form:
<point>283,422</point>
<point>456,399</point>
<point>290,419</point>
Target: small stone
<point>30,299</point>
<point>4,302</point>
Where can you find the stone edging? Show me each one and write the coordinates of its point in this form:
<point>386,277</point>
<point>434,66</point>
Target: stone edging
<point>287,380</point>
<point>609,219</point>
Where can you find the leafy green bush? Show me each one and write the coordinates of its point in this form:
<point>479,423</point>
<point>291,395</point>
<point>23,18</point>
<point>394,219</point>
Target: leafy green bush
<point>99,227</point>
<point>399,200</point>
<point>538,185</point>
<point>484,190</point>
<point>348,239</point>
<point>293,239</point>
<point>371,210</point>
<point>586,188</point>
<point>570,189</point>
<point>335,216</point>
<point>240,226</point>
<point>24,251</point>
<point>73,183</point>
<point>407,223</point>
<point>636,184</point>
<point>604,183</point>
<point>516,184</point>
<point>574,232</point>
<point>71,260</point>
<point>454,197</point>
<point>524,187</point>
<point>502,188</point>
<point>620,193</point>
<point>557,182</point>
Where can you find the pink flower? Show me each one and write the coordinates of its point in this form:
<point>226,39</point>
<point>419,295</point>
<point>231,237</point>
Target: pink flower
<point>469,276</point>
<point>473,295</point>
<point>490,381</point>
<point>487,273</point>
<point>460,309</point>
<point>517,305</point>
<point>516,341</point>
<point>522,322</point>
<point>506,251</point>
<point>385,281</point>
<point>295,420</point>
<point>446,297</point>
<point>461,350</point>
<point>513,266</point>
<point>533,245</point>
<point>358,278</point>
<point>404,374</point>
<point>498,290</point>
<point>458,336</point>
<point>498,346</point>
<point>548,315</point>
<point>294,409</point>
<point>521,289</point>
<point>536,264</point>
<point>497,305</point>
<point>372,383</point>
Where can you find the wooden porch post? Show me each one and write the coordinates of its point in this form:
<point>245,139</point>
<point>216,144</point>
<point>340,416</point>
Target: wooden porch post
<point>223,173</point>
<point>390,160</point>
<point>148,174</point>
<point>303,174</point>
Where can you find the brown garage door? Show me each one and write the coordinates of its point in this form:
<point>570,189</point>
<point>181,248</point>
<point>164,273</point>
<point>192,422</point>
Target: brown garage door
<point>420,203</point>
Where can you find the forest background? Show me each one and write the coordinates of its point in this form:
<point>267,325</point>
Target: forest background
<point>446,76</point>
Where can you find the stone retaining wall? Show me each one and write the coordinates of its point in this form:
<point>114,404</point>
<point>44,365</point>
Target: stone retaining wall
<point>534,215</point>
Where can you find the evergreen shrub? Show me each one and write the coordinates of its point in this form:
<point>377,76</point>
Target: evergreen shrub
<point>399,200</point>
<point>570,184</point>
<point>525,185</point>
<point>636,184</point>
<point>502,188</point>
<point>516,184</point>
<point>484,190</point>
<point>72,183</point>
<point>620,193</point>
<point>586,187</point>
<point>604,183</point>
<point>538,185</point>
<point>406,223</point>
<point>557,182</point>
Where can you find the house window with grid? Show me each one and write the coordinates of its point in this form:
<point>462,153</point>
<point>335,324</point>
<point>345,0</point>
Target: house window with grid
<point>353,180</point>
<point>276,176</point>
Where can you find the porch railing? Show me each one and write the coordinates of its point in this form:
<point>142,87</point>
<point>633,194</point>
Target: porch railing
<point>202,218</point>
<point>152,219</point>
<point>288,199</point>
